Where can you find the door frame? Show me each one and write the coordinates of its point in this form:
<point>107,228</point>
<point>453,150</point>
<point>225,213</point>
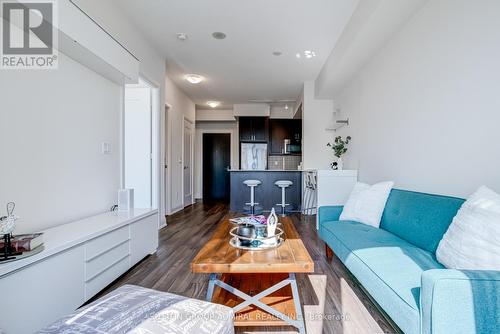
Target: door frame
<point>231,156</point>
<point>156,144</point>
<point>165,162</point>
<point>191,165</point>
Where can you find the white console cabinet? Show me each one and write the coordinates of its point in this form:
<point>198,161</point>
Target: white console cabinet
<point>334,187</point>
<point>79,260</point>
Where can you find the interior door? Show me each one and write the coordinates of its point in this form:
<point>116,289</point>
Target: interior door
<point>188,189</point>
<point>137,145</point>
<point>216,160</point>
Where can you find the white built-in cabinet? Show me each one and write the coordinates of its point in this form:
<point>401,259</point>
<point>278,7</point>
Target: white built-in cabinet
<point>79,260</point>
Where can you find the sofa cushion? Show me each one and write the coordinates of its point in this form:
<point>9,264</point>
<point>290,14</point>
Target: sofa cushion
<point>388,267</point>
<point>421,219</point>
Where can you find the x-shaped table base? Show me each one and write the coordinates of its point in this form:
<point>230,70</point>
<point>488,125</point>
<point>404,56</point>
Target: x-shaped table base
<point>255,300</point>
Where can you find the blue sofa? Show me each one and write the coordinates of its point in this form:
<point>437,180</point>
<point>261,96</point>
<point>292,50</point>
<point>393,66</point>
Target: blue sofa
<point>396,265</point>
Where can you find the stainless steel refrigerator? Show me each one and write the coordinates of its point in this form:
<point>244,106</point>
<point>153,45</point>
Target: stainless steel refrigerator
<point>253,156</point>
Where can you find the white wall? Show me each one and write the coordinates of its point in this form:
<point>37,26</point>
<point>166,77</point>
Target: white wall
<point>152,64</point>
<point>215,115</point>
<point>181,106</point>
<point>137,145</point>
<point>52,124</point>
<point>213,127</point>
<point>316,117</point>
<point>425,110</point>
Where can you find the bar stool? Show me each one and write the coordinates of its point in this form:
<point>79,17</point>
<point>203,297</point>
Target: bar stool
<point>283,184</point>
<point>252,207</point>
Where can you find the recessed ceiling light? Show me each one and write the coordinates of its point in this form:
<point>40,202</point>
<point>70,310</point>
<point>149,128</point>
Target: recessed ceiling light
<point>308,54</point>
<point>277,53</point>
<point>218,35</point>
<point>194,78</point>
<point>213,104</point>
<point>182,36</point>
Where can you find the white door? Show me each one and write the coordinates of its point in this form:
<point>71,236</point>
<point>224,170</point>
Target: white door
<point>165,163</point>
<point>137,148</point>
<point>188,189</point>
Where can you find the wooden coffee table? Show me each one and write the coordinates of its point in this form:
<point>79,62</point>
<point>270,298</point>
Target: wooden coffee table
<point>260,286</point>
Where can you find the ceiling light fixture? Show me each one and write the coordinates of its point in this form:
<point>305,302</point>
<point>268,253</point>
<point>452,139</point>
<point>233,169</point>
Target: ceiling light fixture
<point>218,35</point>
<point>307,54</point>
<point>194,78</point>
<point>213,104</point>
<point>277,53</point>
<point>182,36</point>
<point>286,106</point>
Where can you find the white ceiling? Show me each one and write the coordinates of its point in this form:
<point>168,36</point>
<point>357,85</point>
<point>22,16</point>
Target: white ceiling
<point>242,67</point>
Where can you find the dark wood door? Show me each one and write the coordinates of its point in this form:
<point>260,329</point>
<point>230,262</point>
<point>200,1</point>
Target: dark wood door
<point>260,126</point>
<point>254,129</point>
<point>216,160</point>
<point>245,128</point>
<point>281,129</point>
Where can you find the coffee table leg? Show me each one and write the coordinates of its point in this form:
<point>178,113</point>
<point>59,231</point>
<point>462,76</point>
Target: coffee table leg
<point>211,286</point>
<point>298,307</point>
<point>255,300</point>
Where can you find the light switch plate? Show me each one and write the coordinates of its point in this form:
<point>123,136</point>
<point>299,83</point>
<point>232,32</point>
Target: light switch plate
<point>105,148</point>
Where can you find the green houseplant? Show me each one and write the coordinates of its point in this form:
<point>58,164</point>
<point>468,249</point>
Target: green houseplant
<point>339,148</point>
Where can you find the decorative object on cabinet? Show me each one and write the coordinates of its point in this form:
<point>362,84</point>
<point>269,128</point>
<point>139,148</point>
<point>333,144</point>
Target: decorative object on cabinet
<point>8,223</point>
<point>339,148</point>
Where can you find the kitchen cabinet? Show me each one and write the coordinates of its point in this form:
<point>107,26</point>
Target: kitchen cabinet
<point>254,129</point>
<point>281,129</point>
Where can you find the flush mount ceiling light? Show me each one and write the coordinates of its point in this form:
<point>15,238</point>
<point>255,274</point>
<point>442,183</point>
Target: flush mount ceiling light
<point>308,54</point>
<point>218,35</point>
<point>182,36</point>
<point>213,104</point>
<point>194,78</point>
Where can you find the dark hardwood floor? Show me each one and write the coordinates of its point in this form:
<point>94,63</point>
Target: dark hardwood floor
<point>347,307</point>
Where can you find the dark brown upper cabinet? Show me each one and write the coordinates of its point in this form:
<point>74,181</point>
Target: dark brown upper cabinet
<point>254,129</point>
<point>281,129</point>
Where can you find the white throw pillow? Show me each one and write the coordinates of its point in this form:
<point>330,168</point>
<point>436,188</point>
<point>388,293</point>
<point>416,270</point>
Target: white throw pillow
<point>366,203</point>
<point>473,238</point>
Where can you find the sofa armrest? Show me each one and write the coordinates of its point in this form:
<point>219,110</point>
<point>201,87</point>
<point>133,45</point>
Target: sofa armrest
<point>328,213</point>
<point>460,301</point>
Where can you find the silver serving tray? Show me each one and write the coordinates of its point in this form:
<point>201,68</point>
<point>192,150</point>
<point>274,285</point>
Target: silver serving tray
<point>235,242</point>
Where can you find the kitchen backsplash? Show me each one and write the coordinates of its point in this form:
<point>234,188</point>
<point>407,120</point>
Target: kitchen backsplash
<point>284,162</point>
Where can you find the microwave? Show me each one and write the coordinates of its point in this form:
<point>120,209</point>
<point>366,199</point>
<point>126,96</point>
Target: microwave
<point>293,148</point>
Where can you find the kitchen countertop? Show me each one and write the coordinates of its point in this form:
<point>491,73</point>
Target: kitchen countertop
<point>264,170</point>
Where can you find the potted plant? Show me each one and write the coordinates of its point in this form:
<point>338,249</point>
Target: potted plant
<point>339,148</point>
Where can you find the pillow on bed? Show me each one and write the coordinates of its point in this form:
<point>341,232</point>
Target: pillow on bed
<point>367,203</point>
<point>473,238</point>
